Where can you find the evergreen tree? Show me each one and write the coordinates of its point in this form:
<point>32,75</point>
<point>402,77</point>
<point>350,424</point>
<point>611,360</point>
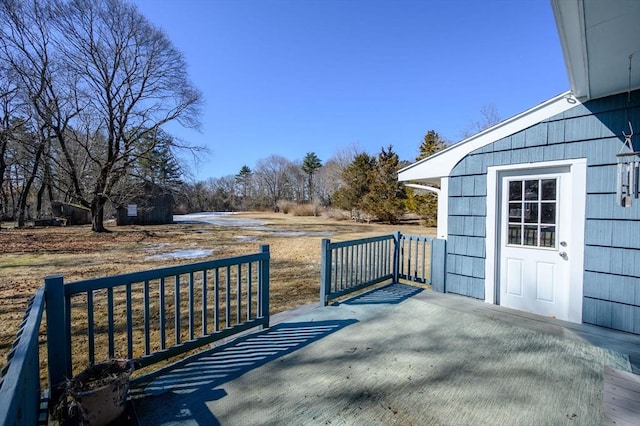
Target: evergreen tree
<point>431,143</point>
<point>425,204</point>
<point>386,197</point>
<point>156,162</point>
<point>310,165</point>
<point>355,178</point>
<point>244,179</point>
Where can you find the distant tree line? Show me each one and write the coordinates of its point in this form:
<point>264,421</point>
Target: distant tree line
<point>355,181</point>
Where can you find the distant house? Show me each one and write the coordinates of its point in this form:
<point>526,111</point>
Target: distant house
<point>71,214</point>
<point>536,215</point>
<point>153,207</point>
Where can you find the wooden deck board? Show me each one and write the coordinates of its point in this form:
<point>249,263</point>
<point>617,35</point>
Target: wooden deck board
<point>621,397</point>
<point>625,343</point>
<point>621,393</point>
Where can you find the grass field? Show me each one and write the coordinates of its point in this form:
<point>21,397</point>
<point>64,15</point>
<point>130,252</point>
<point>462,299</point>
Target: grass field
<point>29,255</point>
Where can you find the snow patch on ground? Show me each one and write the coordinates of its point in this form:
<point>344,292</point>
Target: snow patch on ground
<point>303,233</point>
<point>246,238</point>
<point>182,254</point>
<point>227,219</point>
<point>218,218</point>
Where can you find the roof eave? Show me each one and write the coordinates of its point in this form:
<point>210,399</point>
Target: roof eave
<point>570,21</point>
<point>442,162</point>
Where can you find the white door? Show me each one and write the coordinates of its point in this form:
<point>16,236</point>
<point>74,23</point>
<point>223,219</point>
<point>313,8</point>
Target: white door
<point>534,244</point>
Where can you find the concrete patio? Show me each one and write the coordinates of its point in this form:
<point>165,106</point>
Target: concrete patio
<point>396,355</point>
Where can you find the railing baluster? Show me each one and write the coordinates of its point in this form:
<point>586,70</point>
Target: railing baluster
<point>162,320</point>
<point>361,253</point>
<point>191,308</point>
<point>110,326</point>
<point>176,320</point>
<point>409,258</point>
<point>216,300</point>
<point>264,285</point>
<point>204,303</point>
<point>129,323</point>
<point>385,257</point>
<point>227,299</point>
<point>239,294</point>
<point>147,340</point>
<point>335,264</point>
<point>343,265</point>
<point>351,266</point>
<point>401,255</point>
<point>369,266</point>
<point>91,331</point>
<point>249,301</point>
<point>424,259</point>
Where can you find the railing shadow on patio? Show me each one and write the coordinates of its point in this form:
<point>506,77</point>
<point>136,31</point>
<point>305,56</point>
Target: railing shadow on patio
<point>390,294</point>
<point>154,315</point>
<point>190,383</point>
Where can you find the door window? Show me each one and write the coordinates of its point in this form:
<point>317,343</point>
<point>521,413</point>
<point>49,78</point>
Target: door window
<point>533,212</point>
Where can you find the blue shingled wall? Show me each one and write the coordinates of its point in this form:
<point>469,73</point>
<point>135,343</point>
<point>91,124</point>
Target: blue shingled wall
<point>612,234</point>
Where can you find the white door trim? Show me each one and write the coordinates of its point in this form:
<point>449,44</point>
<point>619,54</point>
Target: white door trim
<point>578,170</point>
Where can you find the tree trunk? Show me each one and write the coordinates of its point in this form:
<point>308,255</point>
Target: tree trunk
<point>39,201</point>
<point>24,195</point>
<point>97,214</point>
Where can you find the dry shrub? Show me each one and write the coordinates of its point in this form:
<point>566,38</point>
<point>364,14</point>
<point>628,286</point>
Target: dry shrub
<point>306,210</point>
<point>337,214</point>
<point>285,206</point>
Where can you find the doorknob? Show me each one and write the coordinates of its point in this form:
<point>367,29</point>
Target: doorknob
<point>563,255</point>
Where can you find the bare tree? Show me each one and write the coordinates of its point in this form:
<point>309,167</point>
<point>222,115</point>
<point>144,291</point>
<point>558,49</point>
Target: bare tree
<point>489,117</point>
<point>271,173</point>
<point>102,78</point>
<point>329,177</point>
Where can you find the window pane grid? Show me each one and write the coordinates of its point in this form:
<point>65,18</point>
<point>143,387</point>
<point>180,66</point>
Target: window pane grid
<point>532,213</point>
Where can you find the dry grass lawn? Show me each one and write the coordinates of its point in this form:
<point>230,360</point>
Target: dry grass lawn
<point>29,255</point>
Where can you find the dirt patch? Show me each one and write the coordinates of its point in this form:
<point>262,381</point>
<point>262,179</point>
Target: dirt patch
<point>29,255</point>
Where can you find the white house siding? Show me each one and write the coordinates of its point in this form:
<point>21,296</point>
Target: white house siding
<point>611,296</point>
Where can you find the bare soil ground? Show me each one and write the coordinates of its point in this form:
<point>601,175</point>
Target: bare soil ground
<point>27,256</point>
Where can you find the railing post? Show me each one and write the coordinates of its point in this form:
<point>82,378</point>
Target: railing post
<point>396,256</point>
<point>57,339</point>
<point>438,265</point>
<point>264,285</point>
<point>325,271</point>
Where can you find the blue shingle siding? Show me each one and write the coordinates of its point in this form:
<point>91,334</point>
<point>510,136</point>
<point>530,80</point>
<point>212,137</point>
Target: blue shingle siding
<point>612,233</point>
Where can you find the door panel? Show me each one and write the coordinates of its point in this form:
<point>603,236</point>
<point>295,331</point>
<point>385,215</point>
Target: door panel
<point>514,277</point>
<point>533,271</point>
<point>545,282</point>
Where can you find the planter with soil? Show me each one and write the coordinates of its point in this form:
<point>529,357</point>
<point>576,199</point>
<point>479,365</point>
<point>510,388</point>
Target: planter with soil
<point>98,394</point>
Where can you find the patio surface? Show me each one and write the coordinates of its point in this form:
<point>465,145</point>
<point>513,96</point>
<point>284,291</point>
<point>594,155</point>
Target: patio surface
<point>396,355</point>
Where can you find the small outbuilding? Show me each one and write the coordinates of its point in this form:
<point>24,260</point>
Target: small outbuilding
<point>68,214</point>
<point>153,207</point>
<point>541,212</point>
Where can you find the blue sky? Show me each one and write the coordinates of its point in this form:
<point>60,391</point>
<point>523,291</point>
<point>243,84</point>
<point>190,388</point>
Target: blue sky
<point>288,77</point>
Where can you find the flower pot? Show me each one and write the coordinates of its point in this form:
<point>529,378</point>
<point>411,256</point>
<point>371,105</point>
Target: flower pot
<point>100,391</point>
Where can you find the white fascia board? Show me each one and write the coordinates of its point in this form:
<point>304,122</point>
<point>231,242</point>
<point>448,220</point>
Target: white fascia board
<point>442,162</point>
<point>423,187</point>
<point>570,20</point>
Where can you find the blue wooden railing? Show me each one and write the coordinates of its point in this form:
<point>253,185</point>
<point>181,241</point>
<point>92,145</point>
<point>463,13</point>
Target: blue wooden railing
<point>153,315</point>
<point>348,266</point>
<point>130,316</point>
<point>421,259</point>
<point>20,382</point>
